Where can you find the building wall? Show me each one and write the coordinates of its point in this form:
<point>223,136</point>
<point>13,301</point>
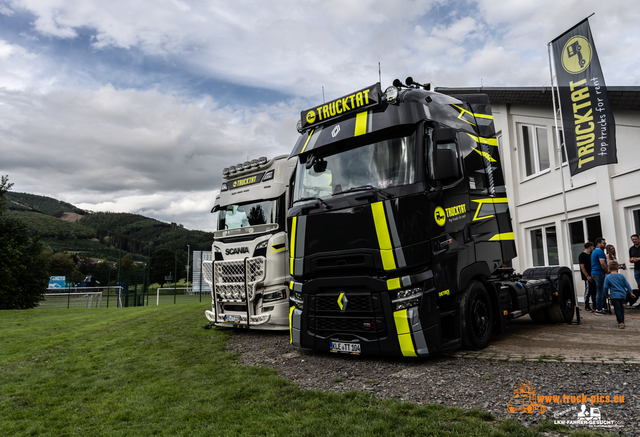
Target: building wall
<point>536,201</point>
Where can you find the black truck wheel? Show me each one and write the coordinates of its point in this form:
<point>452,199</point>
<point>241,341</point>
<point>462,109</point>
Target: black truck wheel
<point>476,317</point>
<point>563,310</point>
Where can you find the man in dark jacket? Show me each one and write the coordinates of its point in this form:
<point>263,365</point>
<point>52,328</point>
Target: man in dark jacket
<point>585,271</point>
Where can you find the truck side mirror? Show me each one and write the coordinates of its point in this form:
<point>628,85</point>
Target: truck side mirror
<point>444,135</point>
<point>445,165</point>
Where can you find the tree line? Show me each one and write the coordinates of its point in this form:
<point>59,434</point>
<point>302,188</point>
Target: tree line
<point>26,263</point>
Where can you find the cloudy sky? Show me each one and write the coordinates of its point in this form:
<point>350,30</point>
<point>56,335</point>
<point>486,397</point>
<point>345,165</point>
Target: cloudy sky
<point>137,105</point>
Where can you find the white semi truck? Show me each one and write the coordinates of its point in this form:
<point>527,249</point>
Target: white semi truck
<point>249,270</point>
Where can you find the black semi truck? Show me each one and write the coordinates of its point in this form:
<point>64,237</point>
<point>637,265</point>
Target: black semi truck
<point>400,235</point>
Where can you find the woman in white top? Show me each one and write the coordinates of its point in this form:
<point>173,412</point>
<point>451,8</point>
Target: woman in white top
<point>612,256</point>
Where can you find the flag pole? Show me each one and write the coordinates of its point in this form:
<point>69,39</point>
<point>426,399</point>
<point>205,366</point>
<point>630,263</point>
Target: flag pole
<point>564,193</point>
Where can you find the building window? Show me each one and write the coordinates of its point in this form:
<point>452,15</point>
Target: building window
<point>544,246</point>
<point>635,216</point>
<point>535,148</point>
<point>581,231</point>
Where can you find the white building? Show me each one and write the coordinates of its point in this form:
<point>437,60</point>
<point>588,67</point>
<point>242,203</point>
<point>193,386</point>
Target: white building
<point>601,202</point>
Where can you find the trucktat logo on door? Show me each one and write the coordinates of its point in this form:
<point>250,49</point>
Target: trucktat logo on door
<point>440,216</point>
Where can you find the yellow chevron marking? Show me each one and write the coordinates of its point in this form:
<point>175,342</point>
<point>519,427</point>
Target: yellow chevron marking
<point>487,141</point>
<point>483,201</point>
<point>485,155</point>
<point>502,237</point>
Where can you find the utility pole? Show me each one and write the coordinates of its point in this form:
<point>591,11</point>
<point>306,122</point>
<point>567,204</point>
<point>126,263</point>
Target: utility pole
<point>188,265</point>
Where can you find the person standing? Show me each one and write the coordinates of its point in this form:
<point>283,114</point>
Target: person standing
<point>618,287</point>
<point>585,271</point>
<point>634,257</point>
<point>599,269</point>
<point>612,255</point>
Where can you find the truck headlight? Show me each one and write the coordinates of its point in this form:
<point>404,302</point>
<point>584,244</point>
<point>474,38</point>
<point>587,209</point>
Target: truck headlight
<point>262,245</point>
<point>296,298</point>
<point>407,298</point>
<point>267,176</point>
<point>274,295</point>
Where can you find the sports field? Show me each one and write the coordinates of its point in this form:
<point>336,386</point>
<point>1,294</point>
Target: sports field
<point>154,371</point>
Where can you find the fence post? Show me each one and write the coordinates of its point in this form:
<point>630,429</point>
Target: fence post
<point>108,282</point>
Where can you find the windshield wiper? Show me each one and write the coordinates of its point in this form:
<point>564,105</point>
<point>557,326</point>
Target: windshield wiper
<point>365,188</point>
<point>303,199</point>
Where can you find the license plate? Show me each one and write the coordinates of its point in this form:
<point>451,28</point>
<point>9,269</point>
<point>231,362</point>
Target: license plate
<point>231,318</point>
<point>344,347</point>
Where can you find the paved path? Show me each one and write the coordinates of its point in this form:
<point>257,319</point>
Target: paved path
<point>596,340</point>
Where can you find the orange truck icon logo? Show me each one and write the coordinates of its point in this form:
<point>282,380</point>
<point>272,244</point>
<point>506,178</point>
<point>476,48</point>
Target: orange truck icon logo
<point>524,400</point>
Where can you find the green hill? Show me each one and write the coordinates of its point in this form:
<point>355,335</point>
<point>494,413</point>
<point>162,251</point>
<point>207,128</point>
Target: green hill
<point>100,234</point>
<point>138,234</point>
<point>48,226</point>
<point>44,204</point>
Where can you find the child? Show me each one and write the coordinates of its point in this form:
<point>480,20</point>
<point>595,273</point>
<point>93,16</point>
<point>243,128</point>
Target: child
<point>618,286</point>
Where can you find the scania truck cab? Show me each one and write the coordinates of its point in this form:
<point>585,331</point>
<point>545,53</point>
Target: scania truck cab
<point>248,273</point>
<point>400,233</point>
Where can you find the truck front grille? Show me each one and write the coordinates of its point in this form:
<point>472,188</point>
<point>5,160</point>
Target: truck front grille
<point>354,303</point>
<point>348,325</point>
<point>227,278</point>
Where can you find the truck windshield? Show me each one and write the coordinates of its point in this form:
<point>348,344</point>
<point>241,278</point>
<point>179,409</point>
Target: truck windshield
<point>248,214</point>
<point>383,164</point>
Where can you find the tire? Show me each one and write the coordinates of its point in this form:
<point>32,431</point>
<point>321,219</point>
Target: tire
<point>539,316</point>
<point>476,317</point>
<point>563,310</point>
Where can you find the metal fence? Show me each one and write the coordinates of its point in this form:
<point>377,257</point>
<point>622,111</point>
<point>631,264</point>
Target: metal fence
<point>131,291</point>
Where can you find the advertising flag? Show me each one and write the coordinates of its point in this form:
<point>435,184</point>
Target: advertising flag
<point>587,119</point>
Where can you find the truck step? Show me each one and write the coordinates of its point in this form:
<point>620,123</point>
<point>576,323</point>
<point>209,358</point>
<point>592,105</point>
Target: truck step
<point>452,344</point>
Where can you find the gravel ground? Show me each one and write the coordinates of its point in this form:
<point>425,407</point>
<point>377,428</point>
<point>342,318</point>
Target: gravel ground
<point>486,384</point>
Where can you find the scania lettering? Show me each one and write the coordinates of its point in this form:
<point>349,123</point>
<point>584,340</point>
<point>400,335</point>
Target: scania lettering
<point>400,232</point>
<point>248,273</point>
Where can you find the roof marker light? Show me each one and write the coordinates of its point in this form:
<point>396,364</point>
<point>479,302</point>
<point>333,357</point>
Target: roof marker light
<point>391,94</point>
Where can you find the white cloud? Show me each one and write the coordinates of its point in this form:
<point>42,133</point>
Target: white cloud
<point>131,147</point>
<point>159,148</point>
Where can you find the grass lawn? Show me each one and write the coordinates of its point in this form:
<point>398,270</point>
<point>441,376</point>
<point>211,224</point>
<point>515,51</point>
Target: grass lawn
<point>154,371</point>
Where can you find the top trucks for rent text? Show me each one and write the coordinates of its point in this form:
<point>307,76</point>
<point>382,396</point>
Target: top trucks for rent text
<point>400,232</point>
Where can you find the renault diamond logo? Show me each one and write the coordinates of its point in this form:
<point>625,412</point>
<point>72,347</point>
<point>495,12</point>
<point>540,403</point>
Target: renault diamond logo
<point>335,131</point>
<point>342,302</point>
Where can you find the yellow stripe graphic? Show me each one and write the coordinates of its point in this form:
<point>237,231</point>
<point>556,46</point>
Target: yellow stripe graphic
<point>485,155</point>
<point>291,324</point>
<point>503,237</point>
<point>404,333</point>
<point>277,250</point>
<point>292,245</point>
<point>308,139</point>
<point>382,232</point>
<point>393,284</point>
<point>361,124</point>
<point>487,141</point>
